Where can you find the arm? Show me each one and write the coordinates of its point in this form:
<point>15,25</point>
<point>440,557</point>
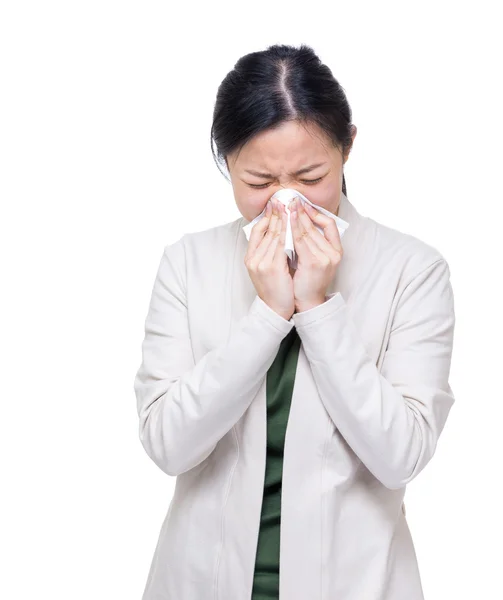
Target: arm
<point>184,407</point>
<point>391,419</point>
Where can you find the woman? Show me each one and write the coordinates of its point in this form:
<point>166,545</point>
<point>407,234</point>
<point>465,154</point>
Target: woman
<point>351,348</point>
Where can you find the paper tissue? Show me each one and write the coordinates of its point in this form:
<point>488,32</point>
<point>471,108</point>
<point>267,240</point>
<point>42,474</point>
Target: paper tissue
<point>285,196</point>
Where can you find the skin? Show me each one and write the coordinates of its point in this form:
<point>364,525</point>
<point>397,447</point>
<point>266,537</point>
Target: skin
<point>280,152</point>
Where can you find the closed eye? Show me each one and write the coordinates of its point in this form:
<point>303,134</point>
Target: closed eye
<point>306,181</point>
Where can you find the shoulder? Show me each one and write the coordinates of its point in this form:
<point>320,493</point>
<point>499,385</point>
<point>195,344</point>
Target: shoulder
<point>213,237</point>
<point>220,239</point>
<point>404,252</point>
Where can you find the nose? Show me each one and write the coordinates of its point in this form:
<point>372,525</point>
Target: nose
<point>287,198</point>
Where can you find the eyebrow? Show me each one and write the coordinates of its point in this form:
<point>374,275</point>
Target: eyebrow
<point>299,172</point>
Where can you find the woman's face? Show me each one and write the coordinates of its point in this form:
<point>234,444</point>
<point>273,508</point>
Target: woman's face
<point>272,159</point>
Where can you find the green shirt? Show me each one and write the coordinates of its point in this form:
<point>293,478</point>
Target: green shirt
<point>279,388</point>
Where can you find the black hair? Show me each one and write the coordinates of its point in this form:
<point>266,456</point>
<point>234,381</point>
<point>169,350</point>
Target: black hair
<point>282,83</point>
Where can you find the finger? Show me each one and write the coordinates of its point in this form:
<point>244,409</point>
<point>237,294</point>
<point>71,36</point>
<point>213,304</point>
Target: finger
<point>299,239</point>
<point>315,240</point>
<point>307,223</point>
<point>307,247</point>
<point>259,230</point>
<point>277,235</point>
<point>280,255</point>
<point>319,246</point>
<point>269,235</point>
<point>328,225</point>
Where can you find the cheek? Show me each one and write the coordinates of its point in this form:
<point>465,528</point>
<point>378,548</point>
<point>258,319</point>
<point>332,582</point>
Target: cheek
<point>324,194</point>
<point>252,202</point>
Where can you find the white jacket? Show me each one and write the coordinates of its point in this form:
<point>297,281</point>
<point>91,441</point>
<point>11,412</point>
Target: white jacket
<point>370,400</point>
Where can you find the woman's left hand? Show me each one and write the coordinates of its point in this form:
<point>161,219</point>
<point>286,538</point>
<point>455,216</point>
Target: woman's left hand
<point>317,256</point>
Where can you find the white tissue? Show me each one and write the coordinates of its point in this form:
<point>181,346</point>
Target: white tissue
<point>285,196</point>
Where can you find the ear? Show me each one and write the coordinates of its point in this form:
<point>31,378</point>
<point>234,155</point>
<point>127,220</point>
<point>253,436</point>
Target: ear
<point>354,131</point>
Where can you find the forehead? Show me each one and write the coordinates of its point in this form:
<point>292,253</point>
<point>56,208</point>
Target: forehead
<point>291,144</point>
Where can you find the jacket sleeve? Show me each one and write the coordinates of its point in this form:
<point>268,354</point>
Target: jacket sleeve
<point>392,419</point>
<point>185,407</point>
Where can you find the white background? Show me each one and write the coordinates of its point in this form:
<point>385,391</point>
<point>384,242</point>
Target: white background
<point>105,158</point>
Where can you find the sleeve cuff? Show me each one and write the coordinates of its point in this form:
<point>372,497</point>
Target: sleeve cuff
<point>264,311</point>
<point>330,306</point>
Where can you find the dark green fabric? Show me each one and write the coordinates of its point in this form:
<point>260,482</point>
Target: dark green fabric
<point>279,388</point>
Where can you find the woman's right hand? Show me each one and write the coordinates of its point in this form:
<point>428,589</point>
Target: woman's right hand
<point>267,262</point>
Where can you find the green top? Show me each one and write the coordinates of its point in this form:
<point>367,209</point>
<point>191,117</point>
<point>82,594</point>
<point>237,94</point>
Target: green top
<point>279,388</point>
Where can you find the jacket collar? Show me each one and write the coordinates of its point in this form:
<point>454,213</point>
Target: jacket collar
<point>243,291</point>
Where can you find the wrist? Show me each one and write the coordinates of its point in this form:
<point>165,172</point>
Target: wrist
<point>307,305</point>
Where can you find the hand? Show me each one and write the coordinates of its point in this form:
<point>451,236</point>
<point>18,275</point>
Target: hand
<point>267,262</point>
<point>318,256</point>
